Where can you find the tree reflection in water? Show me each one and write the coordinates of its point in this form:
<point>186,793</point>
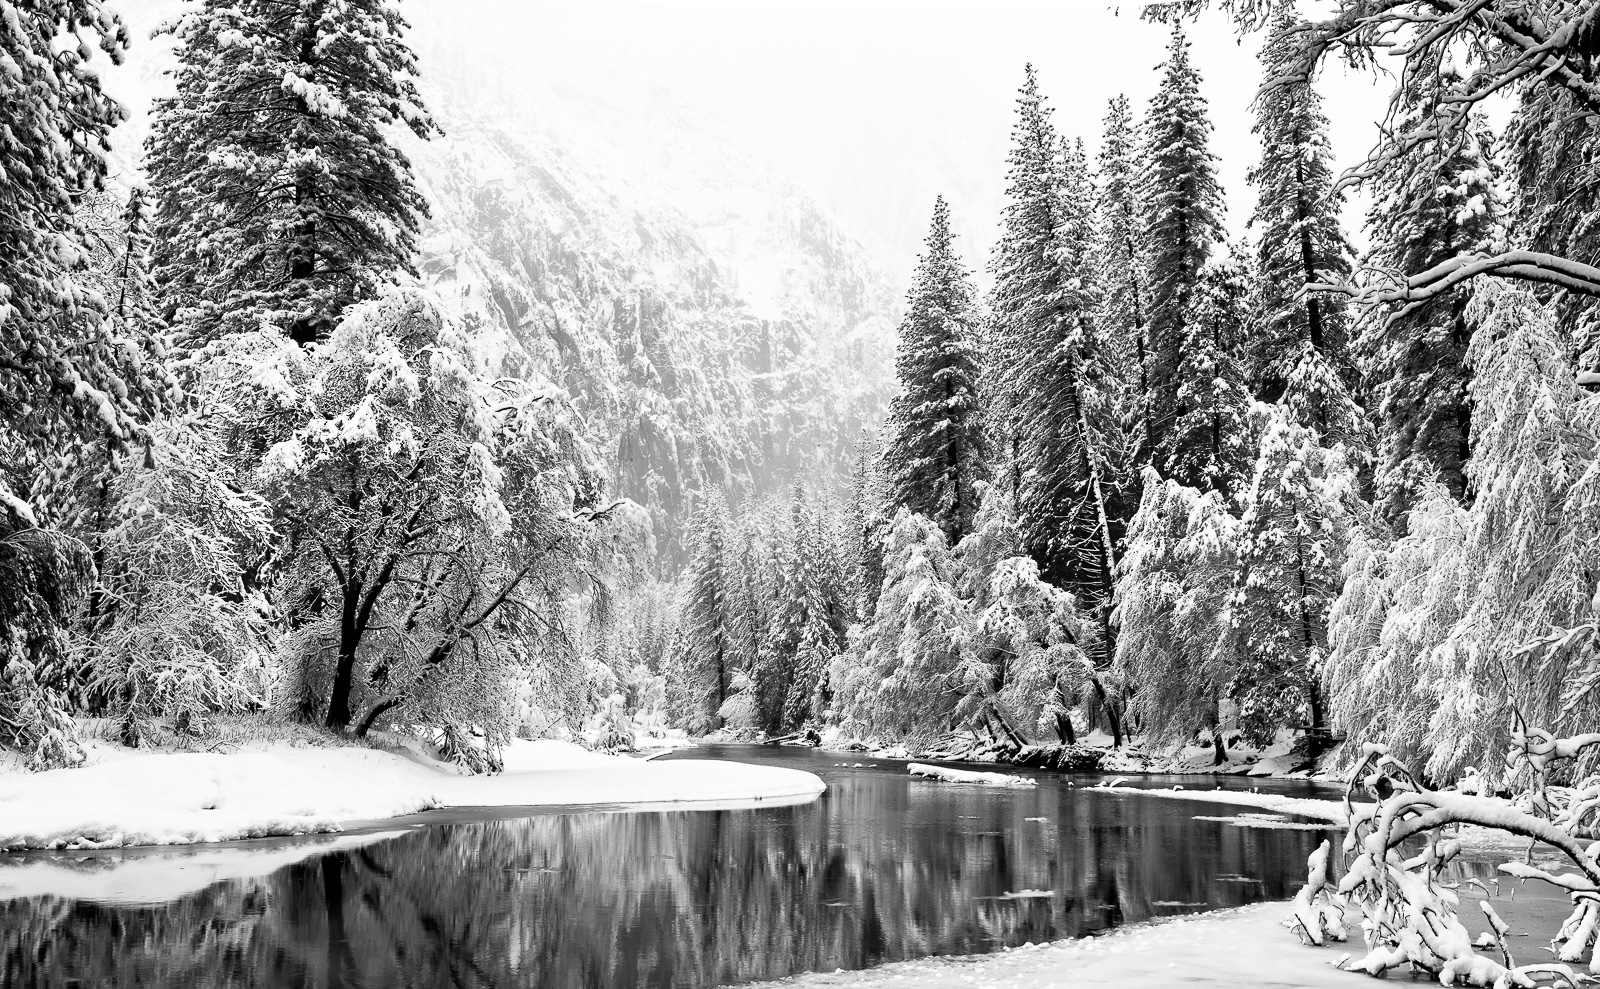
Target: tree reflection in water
<point>880,868</point>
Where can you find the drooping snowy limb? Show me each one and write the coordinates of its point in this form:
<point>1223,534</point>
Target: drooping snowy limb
<point>1411,813</point>
<point>1411,290</point>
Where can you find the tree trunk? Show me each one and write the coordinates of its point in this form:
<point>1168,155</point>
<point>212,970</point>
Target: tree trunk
<point>344,671</point>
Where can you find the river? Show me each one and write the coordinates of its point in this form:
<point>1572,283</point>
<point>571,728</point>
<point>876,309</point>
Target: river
<point>881,867</point>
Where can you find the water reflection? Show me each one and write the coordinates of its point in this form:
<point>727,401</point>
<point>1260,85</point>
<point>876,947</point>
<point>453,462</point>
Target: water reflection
<point>880,868</point>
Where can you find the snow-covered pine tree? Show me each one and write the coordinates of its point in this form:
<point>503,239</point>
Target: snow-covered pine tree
<point>808,621</point>
<point>867,524</point>
<point>1299,243</point>
<point>1046,361</point>
<point>1025,648</point>
<point>1120,264</point>
<point>934,454</point>
<point>1426,210</point>
<point>65,370</point>
<point>281,197</point>
<point>704,610</point>
<point>1182,222</point>
<point>896,681</point>
<point>1291,551</point>
<point>1213,398</point>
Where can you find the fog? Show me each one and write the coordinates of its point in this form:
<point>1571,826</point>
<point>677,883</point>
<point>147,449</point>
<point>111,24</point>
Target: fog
<point>876,107</point>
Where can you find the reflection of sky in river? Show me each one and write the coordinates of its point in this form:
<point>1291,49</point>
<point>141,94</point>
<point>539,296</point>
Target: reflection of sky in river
<point>881,867</point>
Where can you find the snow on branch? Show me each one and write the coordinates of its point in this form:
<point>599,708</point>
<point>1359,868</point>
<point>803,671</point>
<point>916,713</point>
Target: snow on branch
<point>1387,288</point>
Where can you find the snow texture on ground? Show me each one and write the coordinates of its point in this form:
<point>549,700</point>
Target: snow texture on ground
<point>1244,948</point>
<point>184,798</point>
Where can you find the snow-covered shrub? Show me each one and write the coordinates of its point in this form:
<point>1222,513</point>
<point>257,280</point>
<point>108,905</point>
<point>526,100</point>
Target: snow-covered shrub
<point>172,626</point>
<point>739,711</point>
<point>611,730</point>
<point>970,637</point>
<point>1176,637</point>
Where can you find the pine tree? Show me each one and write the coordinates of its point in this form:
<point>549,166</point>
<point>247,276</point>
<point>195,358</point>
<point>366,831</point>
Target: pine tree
<point>1426,210</point>
<point>1291,551</point>
<point>1212,395</point>
<point>1300,243</point>
<point>280,196</point>
<point>935,457</point>
<point>1124,283</point>
<point>1047,351</point>
<point>1182,221</point>
<point>64,369</point>
<point>706,617</point>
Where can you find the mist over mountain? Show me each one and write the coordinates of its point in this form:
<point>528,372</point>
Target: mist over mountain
<point>714,326</point>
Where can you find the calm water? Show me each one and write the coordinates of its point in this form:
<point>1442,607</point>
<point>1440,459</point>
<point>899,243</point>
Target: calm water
<point>882,867</point>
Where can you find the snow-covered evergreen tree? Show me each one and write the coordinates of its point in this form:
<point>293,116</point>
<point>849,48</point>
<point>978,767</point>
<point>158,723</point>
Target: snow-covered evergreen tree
<point>1120,264</point>
<point>1426,210</point>
<point>65,369</point>
<point>1213,398</point>
<point>1299,242</point>
<point>1291,553</point>
<point>808,625</point>
<point>281,197</point>
<point>1048,361</point>
<point>1182,222</point>
<point>899,678</point>
<point>1441,619</point>
<point>705,609</point>
<point>935,455</point>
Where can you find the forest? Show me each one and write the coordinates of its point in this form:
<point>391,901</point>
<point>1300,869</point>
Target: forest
<point>1151,484</point>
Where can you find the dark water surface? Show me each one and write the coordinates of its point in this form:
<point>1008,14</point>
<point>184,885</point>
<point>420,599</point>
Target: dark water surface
<point>882,867</point>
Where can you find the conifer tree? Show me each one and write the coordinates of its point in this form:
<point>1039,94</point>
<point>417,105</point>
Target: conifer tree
<point>1046,351</point>
<point>706,616</point>
<point>1300,243</point>
<point>935,457</point>
<point>1426,210</point>
<point>1182,221</point>
<point>1212,395</point>
<point>1292,543</point>
<point>280,196</point>
<point>1124,283</point>
<point>64,369</point>
<point>806,624</point>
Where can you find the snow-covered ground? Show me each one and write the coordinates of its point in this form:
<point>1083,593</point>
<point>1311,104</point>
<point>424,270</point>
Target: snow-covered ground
<point>1245,948</point>
<point>183,798</point>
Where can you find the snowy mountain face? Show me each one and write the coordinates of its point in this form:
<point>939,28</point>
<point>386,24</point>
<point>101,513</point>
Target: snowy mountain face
<point>713,325</point>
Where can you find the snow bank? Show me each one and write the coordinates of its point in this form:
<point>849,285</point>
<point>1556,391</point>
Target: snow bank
<point>184,798</point>
<point>141,877</point>
<point>1331,811</point>
<point>1245,948</point>
<point>949,775</point>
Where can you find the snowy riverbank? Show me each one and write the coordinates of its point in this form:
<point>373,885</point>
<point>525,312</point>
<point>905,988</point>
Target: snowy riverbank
<point>1244,948</point>
<point>185,798</point>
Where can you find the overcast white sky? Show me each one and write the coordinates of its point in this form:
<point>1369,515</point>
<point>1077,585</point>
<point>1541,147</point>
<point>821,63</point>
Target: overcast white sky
<point>876,106</point>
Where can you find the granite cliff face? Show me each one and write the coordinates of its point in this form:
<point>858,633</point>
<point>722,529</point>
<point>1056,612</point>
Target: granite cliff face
<point>714,326</point>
